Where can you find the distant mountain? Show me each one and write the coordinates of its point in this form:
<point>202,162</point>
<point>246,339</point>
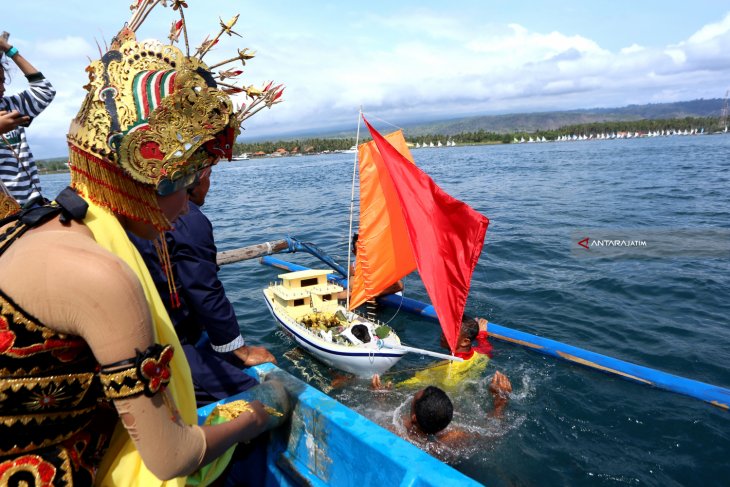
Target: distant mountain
<point>530,122</point>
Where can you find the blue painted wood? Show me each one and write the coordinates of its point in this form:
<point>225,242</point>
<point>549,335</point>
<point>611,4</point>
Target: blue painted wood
<point>329,444</point>
<point>717,396</point>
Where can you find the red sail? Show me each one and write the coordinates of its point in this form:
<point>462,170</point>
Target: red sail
<point>446,236</point>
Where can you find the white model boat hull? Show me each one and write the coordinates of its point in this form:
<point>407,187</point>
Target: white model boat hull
<point>363,360</point>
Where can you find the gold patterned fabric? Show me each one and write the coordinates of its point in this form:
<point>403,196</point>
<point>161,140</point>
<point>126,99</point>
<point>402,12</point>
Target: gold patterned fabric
<point>52,425</point>
<point>55,417</point>
<point>8,205</point>
<point>147,374</point>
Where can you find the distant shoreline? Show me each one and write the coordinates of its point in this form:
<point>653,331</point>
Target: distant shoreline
<point>576,132</point>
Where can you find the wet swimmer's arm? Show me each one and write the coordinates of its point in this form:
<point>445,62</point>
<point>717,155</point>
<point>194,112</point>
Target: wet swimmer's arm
<point>483,345</point>
<point>500,387</point>
<point>376,384</point>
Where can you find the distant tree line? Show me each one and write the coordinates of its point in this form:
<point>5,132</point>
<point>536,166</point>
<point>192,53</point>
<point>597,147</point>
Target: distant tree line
<point>708,124</point>
<point>307,146</point>
<point>318,145</point>
<point>52,165</point>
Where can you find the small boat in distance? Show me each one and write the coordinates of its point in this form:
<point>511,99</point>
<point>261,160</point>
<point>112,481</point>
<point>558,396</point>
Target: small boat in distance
<point>241,157</point>
<point>305,305</point>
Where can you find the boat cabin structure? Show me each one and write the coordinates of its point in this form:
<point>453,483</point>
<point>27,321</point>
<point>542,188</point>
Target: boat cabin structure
<point>304,292</point>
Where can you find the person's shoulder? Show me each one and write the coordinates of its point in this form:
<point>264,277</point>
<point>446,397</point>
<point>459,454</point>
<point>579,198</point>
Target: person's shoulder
<point>67,253</point>
<point>193,220</point>
<point>71,266</point>
<point>453,436</point>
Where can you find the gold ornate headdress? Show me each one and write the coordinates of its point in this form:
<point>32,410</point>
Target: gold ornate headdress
<point>154,116</point>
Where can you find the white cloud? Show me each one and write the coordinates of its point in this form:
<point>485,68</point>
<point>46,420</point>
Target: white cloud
<point>711,32</point>
<point>434,64</point>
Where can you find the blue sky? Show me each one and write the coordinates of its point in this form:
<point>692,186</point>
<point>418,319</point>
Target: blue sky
<point>405,60</point>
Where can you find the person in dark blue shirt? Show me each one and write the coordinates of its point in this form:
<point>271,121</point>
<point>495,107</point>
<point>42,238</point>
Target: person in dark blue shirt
<point>203,304</point>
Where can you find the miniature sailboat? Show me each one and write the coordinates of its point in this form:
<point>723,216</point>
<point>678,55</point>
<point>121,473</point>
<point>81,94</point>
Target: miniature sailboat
<point>396,237</point>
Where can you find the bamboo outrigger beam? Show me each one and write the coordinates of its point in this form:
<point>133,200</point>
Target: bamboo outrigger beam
<point>251,252</point>
<point>717,396</point>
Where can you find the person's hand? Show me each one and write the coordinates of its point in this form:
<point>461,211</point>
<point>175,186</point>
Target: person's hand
<point>12,120</point>
<point>500,385</point>
<point>277,403</point>
<point>250,355</point>
<point>376,384</point>
<point>482,324</point>
<point>4,44</point>
<point>500,388</point>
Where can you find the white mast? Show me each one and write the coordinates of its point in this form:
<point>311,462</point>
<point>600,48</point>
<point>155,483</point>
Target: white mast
<point>352,207</point>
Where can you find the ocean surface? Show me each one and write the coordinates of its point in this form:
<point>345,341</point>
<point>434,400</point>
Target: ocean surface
<point>565,425</point>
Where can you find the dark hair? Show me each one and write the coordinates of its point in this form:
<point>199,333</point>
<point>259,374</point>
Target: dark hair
<point>5,66</point>
<point>361,333</point>
<point>353,242</point>
<point>469,327</point>
<point>433,410</point>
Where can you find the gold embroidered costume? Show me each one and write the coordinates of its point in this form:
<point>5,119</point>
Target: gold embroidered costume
<point>49,398</point>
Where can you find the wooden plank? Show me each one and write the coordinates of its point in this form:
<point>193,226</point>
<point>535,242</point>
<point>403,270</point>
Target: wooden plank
<point>251,252</point>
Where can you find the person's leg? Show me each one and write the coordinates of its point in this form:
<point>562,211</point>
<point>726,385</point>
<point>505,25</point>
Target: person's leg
<point>248,465</point>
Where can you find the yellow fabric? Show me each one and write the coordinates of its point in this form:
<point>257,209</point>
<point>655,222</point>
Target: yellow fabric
<point>448,375</point>
<point>122,466</point>
<point>384,252</point>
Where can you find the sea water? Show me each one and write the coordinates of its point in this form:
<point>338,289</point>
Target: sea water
<point>564,425</point>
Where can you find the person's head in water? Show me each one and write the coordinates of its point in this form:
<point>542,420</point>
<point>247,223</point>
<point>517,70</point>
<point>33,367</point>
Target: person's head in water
<point>431,410</point>
<point>361,333</point>
<point>353,242</point>
<point>467,334</point>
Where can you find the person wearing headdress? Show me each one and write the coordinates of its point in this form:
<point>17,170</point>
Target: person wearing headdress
<point>84,336</point>
<point>200,304</point>
<point>18,171</point>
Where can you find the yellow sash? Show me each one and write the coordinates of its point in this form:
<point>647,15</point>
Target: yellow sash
<point>122,466</point>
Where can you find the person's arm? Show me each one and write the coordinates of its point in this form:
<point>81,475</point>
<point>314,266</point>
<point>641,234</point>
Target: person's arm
<point>377,385</point>
<point>500,387</point>
<point>104,303</point>
<point>193,254</point>
<point>10,120</point>
<point>22,63</point>
<point>33,101</point>
<point>483,345</point>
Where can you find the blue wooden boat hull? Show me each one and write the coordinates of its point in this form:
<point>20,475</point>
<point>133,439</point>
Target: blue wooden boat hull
<point>328,444</point>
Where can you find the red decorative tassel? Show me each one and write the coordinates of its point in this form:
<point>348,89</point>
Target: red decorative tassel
<point>164,255</point>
